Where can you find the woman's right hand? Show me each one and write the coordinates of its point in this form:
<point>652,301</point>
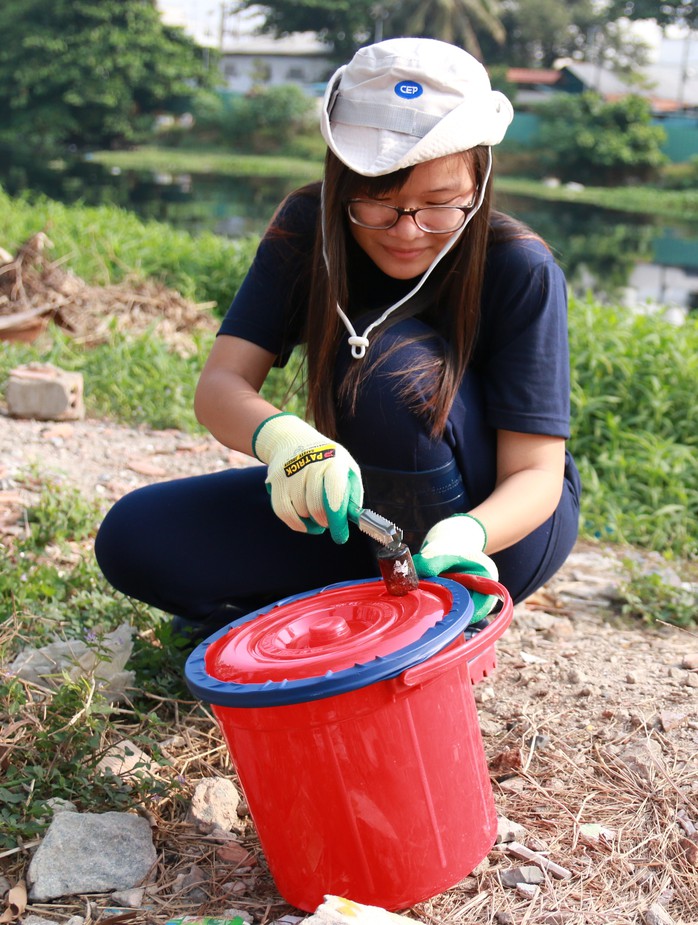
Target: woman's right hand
<point>311,480</point>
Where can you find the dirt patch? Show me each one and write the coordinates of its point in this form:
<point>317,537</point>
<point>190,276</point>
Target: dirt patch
<point>589,725</point>
<point>35,292</point>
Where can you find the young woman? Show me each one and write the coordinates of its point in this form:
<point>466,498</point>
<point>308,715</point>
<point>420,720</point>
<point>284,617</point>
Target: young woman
<point>437,369</point>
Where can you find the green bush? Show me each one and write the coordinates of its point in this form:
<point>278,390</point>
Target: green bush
<point>268,119</point>
<point>635,426</point>
<point>587,139</point>
<point>683,176</point>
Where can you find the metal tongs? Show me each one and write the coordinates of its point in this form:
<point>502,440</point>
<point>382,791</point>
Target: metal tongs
<point>394,556</point>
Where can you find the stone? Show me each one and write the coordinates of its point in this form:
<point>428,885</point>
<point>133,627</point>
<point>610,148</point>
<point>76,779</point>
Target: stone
<point>215,803</point>
<point>516,875</point>
<point>657,915</point>
<point>643,758</point>
<point>91,853</point>
<point>48,664</point>
<point>690,849</point>
<point>59,805</point>
<point>125,759</point>
<point>44,392</point>
<point>129,899</point>
<point>509,831</point>
<point>670,720</point>
<point>527,890</point>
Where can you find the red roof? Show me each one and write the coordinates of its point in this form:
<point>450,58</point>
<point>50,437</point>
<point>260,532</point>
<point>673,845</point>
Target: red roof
<point>533,75</point>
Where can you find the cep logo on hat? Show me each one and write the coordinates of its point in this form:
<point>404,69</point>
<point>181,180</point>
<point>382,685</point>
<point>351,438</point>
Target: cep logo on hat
<point>408,89</point>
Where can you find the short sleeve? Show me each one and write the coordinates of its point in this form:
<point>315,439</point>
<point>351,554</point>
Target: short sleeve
<point>269,308</point>
<point>523,350</point>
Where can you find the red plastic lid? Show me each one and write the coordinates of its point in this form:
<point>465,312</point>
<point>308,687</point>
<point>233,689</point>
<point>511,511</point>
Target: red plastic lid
<point>326,642</point>
<point>330,631</point>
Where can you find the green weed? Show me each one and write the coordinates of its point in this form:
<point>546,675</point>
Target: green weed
<point>652,600</point>
<point>64,735</point>
<point>51,588</point>
<point>635,426</point>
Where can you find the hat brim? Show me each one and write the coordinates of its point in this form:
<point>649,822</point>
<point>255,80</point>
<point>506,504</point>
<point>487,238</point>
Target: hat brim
<point>373,152</point>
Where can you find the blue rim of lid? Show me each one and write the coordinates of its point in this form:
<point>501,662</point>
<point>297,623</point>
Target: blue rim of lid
<point>289,691</point>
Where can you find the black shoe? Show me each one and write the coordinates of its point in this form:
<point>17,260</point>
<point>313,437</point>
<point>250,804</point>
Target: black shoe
<point>474,628</point>
<point>194,631</point>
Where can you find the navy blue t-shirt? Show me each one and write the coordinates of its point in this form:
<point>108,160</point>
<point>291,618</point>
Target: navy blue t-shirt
<point>521,352</point>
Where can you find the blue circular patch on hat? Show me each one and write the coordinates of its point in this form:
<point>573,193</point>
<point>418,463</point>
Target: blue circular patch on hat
<point>408,89</point>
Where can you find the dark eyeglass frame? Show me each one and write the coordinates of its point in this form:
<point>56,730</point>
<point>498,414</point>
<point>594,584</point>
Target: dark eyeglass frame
<point>413,213</point>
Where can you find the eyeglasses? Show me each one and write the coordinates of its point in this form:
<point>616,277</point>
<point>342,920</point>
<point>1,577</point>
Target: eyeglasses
<point>432,219</point>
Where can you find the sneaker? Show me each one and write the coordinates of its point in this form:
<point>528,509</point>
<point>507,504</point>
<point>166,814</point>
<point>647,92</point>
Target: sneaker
<point>474,628</point>
<point>194,631</point>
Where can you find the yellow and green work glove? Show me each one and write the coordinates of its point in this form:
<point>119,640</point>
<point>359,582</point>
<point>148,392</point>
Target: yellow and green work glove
<point>457,544</point>
<point>311,479</point>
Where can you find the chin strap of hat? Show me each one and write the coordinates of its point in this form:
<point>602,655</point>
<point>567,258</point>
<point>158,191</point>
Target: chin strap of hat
<point>360,342</point>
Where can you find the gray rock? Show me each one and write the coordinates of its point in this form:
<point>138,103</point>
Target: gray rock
<point>91,853</point>
<point>516,875</point>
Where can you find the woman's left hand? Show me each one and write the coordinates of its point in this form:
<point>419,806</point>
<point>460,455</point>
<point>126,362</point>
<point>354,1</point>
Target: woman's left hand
<point>457,544</point>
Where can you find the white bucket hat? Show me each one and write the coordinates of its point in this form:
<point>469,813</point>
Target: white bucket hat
<point>409,100</point>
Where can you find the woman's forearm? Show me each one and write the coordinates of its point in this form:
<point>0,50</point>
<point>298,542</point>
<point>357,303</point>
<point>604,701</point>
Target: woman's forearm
<point>519,504</point>
<point>230,409</point>
<point>227,400</point>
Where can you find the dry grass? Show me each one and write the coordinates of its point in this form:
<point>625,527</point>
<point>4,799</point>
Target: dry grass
<point>34,291</point>
<point>573,780</point>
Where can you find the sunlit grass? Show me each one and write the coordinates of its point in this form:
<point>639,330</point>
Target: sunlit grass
<point>642,199</point>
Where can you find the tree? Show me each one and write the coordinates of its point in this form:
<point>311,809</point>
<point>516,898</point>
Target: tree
<point>346,24</point>
<point>584,138</point>
<point>663,12</point>
<point>86,73</point>
<point>343,24</point>
<point>456,21</point>
<point>538,32</point>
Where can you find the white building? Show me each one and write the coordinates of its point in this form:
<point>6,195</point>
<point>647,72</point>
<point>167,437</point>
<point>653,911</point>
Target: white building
<point>250,60</point>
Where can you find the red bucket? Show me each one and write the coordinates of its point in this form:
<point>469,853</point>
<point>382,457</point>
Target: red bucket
<point>350,720</point>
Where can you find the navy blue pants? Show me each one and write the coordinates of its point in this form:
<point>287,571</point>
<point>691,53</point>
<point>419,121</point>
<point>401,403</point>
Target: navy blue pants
<point>194,545</point>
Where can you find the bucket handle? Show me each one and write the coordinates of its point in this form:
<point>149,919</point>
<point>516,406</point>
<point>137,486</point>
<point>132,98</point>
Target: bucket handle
<point>469,648</point>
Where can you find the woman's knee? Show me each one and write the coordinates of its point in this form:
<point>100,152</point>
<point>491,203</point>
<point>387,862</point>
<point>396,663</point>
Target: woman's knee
<point>121,546</point>
<point>530,563</point>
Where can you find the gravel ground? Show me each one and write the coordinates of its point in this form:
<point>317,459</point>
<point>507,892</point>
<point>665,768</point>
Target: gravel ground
<point>587,720</point>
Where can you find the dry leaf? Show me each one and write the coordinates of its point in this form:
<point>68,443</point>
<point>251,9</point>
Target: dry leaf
<point>16,903</point>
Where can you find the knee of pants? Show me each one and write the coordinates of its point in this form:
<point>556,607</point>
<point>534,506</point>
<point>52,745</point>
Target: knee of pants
<point>121,547</point>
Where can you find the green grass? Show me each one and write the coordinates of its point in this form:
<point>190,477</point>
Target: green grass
<point>105,244</point>
<point>179,160</point>
<point>642,199</point>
